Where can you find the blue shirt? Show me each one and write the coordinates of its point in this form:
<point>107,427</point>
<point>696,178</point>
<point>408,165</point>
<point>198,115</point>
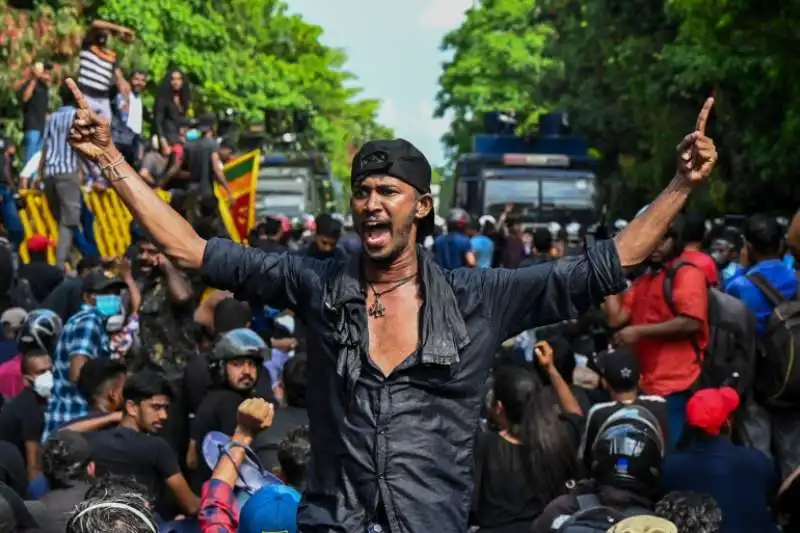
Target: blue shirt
<point>83,334</point>
<point>450,250</point>
<point>731,272</point>
<point>778,274</point>
<point>483,247</point>
<point>740,480</point>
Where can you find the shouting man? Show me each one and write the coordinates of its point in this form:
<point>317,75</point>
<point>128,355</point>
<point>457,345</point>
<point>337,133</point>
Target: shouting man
<point>398,348</point>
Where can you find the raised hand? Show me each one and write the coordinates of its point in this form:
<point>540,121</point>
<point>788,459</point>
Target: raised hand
<point>90,134</point>
<point>696,152</point>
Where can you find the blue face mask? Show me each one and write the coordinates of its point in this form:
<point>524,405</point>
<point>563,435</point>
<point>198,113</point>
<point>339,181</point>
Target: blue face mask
<point>192,135</point>
<point>108,305</point>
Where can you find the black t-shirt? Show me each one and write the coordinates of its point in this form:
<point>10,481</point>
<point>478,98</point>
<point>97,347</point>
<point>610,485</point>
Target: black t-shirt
<point>66,299</point>
<point>34,111</point>
<point>198,155</point>
<point>504,498</point>
<point>22,420</point>
<point>600,412</point>
<point>42,277</point>
<point>126,452</point>
<point>266,442</point>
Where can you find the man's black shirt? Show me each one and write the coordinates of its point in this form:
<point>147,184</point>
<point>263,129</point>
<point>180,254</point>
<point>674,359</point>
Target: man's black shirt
<point>42,277</point>
<point>22,420</point>
<point>400,445</point>
<point>34,111</point>
<point>66,299</point>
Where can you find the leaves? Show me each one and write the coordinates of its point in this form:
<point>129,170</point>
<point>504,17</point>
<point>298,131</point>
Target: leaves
<point>243,54</point>
<point>632,74</point>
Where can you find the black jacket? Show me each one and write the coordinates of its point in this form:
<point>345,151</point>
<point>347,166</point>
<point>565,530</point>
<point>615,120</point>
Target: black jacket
<point>398,450</point>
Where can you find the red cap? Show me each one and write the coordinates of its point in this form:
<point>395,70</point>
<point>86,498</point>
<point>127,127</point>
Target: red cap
<point>39,243</point>
<point>709,409</point>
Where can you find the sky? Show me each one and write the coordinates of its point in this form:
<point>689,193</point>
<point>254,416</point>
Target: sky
<point>393,50</point>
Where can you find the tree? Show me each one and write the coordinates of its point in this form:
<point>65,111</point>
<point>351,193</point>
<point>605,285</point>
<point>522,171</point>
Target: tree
<point>248,55</point>
<point>633,73</point>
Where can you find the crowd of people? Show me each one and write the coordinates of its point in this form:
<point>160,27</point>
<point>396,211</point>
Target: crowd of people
<point>338,376</point>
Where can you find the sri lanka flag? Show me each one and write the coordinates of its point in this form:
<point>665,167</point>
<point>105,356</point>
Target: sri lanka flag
<point>239,215</point>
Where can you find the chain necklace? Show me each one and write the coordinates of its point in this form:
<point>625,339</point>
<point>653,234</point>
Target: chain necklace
<point>377,309</point>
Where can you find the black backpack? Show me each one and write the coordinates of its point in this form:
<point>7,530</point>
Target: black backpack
<point>594,517</point>
<point>731,348</point>
<point>778,379</point>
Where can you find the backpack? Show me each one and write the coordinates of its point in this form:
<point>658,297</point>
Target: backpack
<point>594,517</point>
<point>778,380</point>
<point>21,295</point>
<point>730,355</point>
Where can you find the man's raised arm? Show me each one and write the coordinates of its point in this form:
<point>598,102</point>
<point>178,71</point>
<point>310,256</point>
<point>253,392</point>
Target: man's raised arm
<point>91,139</point>
<point>696,158</point>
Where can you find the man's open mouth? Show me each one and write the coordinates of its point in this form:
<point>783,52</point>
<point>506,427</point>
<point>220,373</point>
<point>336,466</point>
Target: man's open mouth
<point>377,234</point>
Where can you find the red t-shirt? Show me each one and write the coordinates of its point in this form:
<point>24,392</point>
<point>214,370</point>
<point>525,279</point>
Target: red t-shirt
<point>11,382</point>
<point>704,262</point>
<point>668,365</point>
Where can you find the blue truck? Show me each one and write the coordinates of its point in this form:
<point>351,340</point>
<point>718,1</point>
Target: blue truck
<point>549,178</point>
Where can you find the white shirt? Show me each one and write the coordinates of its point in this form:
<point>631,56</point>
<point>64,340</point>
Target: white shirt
<point>135,113</point>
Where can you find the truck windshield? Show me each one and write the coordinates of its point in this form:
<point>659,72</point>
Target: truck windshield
<point>568,193</point>
<point>522,192</point>
<point>282,190</point>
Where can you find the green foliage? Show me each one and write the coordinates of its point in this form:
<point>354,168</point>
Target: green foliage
<point>242,54</point>
<point>633,74</point>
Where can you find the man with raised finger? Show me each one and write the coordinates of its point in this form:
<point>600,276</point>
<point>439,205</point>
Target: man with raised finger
<point>398,348</point>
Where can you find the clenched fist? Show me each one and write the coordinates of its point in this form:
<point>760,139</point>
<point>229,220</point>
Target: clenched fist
<point>253,415</point>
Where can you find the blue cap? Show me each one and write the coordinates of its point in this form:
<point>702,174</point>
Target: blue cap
<point>272,509</point>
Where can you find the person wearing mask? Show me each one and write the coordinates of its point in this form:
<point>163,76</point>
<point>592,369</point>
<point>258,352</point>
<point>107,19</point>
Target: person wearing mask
<point>742,480</point>
<point>100,383</point>
<point>625,472</point>
<point>481,244</point>
<point>725,253</point>
<point>41,275</point>
<point>34,94</point>
<point>773,430</point>
<point>98,71</point>
<point>22,419</point>
<point>454,249</point>
<point>12,320</point>
<point>694,233</point>
<point>235,363</point>
<point>67,298</point>
<point>428,343</point>
<point>662,340</point>
<point>326,238</point>
<point>69,471</point>
<point>85,336</point>
<point>171,105</point>
<point>619,375</point>
<point>133,448</point>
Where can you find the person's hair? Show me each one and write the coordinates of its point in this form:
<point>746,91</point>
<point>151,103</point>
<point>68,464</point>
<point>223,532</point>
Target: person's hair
<point>88,263</point>
<point>513,387</point>
<point>542,240</point>
<point>294,455</point>
<point>694,228</point>
<point>136,72</point>
<point>690,511</point>
<point>327,226</point>
<point>96,375</point>
<point>548,441</point>
<point>563,359</point>
<point>59,465</point>
<point>230,314</point>
<point>145,384</point>
<point>763,235</point>
<point>272,226</point>
<point>113,485</point>
<point>164,92</point>
<point>119,514</point>
<point>29,353</point>
<point>294,381</point>
<point>66,96</point>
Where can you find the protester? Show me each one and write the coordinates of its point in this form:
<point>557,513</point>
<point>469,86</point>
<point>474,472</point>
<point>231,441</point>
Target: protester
<point>454,249</point>
<point>171,105</point>
<point>362,330</point>
<point>33,90</point>
<point>101,382</point>
<point>326,239</point>
<point>693,237</point>
<point>690,511</point>
<point>41,275</point>
<point>118,514</point>
<point>12,321</point>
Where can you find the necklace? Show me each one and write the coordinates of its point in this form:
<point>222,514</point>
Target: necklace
<point>377,309</point>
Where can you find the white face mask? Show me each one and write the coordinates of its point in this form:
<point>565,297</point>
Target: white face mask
<point>43,385</point>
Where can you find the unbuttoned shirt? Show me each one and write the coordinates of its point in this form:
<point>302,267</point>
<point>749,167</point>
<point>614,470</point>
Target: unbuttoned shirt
<point>396,450</point>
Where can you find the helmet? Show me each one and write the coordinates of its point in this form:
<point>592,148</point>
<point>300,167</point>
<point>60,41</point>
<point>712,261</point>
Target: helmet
<point>628,450</point>
<point>241,343</point>
<point>42,328</point>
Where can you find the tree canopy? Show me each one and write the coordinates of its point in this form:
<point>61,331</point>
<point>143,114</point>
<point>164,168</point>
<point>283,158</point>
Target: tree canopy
<point>247,55</point>
<point>632,75</point>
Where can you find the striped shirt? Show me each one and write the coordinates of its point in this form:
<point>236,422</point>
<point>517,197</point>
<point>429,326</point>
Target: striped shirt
<point>60,157</point>
<point>95,73</point>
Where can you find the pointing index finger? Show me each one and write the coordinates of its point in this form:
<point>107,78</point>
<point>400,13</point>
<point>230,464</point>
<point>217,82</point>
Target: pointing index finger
<point>80,100</point>
<point>702,118</point>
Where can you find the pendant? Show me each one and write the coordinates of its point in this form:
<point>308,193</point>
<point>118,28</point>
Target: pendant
<point>376,310</point>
